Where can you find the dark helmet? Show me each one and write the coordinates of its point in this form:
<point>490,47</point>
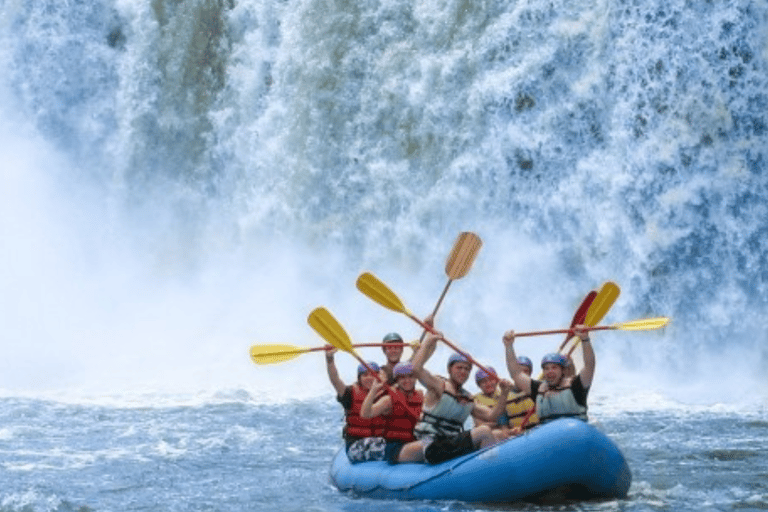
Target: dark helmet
<point>393,336</point>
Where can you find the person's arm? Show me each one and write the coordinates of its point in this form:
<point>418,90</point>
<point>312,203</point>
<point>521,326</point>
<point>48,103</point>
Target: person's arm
<point>333,373</point>
<point>430,321</point>
<point>429,381</point>
<point>381,407</point>
<point>579,391</point>
<point>522,380</point>
<point>491,415</point>
<point>588,372</point>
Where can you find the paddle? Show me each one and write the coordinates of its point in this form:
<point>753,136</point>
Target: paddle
<point>609,292</point>
<point>580,316</point>
<point>269,354</point>
<point>463,254</point>
<point>526,418</point>
<point>376,290</point>
<point>603,302</point>
<point>321,320</point>
<point>644,324</point>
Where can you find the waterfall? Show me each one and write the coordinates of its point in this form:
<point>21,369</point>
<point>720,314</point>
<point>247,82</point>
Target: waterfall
<point>187,178</point>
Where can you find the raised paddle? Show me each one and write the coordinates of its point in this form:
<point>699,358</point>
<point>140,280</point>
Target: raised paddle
<point>322,321</point>
<point>269,354</point>
<point>579,317</point>
<point>645,324</point>
<point>376,290</point>
<point>603,302</point>
<point>463,254</point>
<point>598,305</point>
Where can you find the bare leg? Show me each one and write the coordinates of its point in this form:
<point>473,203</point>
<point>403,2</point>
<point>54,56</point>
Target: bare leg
<point>412,452</point>
<point>482,437</point>
<point>501,433</point>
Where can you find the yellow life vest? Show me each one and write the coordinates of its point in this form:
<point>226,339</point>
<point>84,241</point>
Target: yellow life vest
<point>518,405</point>
<point>490,401</point>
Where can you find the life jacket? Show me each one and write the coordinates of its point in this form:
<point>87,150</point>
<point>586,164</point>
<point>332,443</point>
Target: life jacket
<point>357,426</point>
<point>490,402</point>
<point>399,424</point>
<point>518,406</point>
<point>446,417</point>
<point>558,402</point>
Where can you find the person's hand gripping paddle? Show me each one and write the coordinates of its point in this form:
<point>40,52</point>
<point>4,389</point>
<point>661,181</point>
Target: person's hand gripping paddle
<point>323,322</point>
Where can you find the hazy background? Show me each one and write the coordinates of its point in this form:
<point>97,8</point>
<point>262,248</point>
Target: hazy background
<point>182,180</point>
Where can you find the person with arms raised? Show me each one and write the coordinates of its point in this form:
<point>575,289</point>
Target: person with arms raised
<point>557,395</point>
<point>400,408</point>
<point>363,436</point>
<point>440,433</point>
<point>393,351</point>
<point>519,403</point>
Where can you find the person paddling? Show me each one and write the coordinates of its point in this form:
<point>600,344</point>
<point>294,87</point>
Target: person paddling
<point>557,395</point>
<point>440,433</point>
<point>363,436</point>
<point>400,413</point>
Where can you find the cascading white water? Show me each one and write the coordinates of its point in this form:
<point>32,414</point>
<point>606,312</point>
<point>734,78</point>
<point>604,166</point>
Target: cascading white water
<point>188,178</point>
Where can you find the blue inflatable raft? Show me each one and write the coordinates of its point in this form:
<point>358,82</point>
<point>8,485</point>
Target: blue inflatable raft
<point>564,459</point>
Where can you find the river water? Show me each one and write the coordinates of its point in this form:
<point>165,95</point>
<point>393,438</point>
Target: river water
<point>231,452</point>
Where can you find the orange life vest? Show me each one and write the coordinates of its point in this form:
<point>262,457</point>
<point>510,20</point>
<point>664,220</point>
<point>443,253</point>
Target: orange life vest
<point>401,421</point>
<point>357,426</point>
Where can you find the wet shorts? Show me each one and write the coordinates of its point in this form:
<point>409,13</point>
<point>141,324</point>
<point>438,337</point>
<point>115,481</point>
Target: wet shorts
<point>367,448</point>
<point>374,448</point>
<point>392,452</point>
<point>443,448</point>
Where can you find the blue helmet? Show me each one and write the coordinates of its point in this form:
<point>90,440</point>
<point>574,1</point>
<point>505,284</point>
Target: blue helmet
<point>458,358</point>
<point>555,358</point>
<point>403,368</point>
<point>480,374</point>
<point>361,369</point>
<point>524,361</point>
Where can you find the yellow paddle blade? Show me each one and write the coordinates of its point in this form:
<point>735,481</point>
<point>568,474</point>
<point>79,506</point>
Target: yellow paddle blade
<point>602,303</point>
<point>322,321</point>
<point>377,291</point>
<point>645,324</point>
<point>270,354</point>
<point>462,255</point>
